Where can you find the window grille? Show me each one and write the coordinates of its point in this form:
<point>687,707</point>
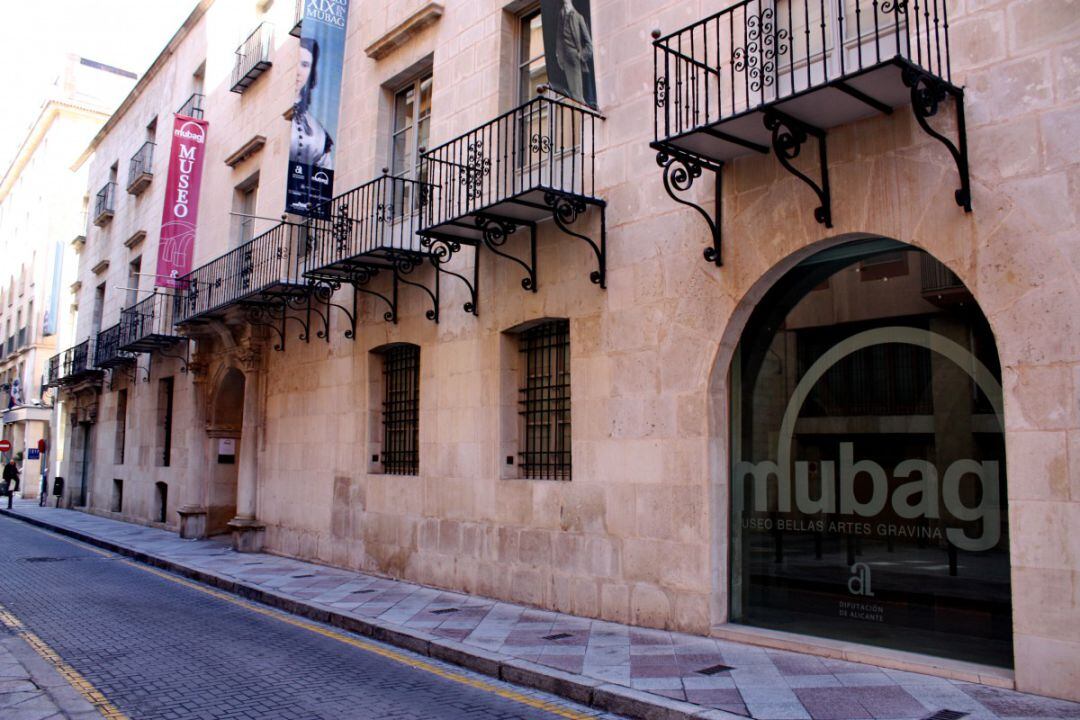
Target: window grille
<point>401,410</point>
<point>545,401</point>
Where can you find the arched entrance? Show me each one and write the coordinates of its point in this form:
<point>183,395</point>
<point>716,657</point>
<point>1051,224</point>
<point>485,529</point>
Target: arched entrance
<point>868,489</point>
<point>224,434</point>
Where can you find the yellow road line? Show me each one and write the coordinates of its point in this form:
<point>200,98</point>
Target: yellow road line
<point>372,648</point>
<point>340,637</point>
<point>73,676</point>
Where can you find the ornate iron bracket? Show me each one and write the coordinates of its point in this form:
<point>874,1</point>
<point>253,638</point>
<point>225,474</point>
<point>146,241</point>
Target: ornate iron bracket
<point>322,291</point>
<point>269,315</point>
<point>304,305</point>
<point>927,94</point>
<point>565,211</point>
<point>788,137</point>
<point>442,248</point>
<point>496,231</point>
<point>184,358</point>
<point>681,171</point>
<point>404,266</point>
<point>359,279</point>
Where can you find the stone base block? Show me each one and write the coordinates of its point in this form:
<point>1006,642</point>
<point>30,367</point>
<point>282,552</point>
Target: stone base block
<point>192,522</point>
<point>247,535</point>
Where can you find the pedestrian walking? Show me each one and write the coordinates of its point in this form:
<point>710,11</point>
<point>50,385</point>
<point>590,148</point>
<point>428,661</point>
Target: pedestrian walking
<point>10,483</point>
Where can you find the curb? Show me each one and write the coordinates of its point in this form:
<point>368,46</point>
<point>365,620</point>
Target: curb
<point>583,690</point>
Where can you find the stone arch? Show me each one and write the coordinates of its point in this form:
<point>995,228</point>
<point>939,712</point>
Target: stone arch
<point>720,393</point>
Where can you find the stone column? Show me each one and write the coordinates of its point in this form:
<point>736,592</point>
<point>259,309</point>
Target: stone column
<point>192,510</point>
<point>247,531</point>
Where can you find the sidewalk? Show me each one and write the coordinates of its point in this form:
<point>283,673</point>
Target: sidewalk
<point>31,689</point>
<point>616,668</point>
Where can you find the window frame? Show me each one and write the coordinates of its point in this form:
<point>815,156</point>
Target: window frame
<point>411,130</point>
<point>400,452</point>
<point>546,403</point>
<point>524,34</point>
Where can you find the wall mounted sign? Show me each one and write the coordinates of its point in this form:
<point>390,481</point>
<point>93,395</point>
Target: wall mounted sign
<point>568,49</point>
<point>180,215</point>
<point>316,108</point>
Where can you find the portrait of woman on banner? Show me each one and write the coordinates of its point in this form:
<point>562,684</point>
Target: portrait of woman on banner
<point>311,143</point>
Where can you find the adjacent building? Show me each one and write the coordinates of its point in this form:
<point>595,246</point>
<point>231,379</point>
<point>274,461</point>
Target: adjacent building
<point>42,227</point>
<point>777,342</point>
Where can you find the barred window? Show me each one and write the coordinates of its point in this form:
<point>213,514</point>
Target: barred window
<point>545,401</point>
<point>401,410</point>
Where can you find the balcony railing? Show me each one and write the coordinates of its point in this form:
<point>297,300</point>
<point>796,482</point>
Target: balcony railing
<point>252,57</point>
<point>52,372</point>
<point>536,162</point>
<point>767,75</point>
<point>148,324</point>
<point>373,224</point>
<point>270,264</point>
<point>74,364</point>
<point>769,52</point>
<point>105,204</point>
<point>140,171</point>
<point>193,107</point>
<point>107,350</point>
<point>299,19</point>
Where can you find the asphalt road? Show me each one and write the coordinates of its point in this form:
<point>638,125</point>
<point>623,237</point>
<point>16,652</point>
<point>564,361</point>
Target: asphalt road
<point>155,646</point>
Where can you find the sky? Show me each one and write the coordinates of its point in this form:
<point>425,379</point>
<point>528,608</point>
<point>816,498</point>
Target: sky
<point>36,34</point>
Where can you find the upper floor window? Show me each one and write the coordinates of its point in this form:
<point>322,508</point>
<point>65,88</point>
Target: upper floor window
<point>412,122</point>
<point>532,65</point>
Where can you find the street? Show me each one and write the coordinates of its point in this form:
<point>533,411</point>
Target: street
<point>140,643</point>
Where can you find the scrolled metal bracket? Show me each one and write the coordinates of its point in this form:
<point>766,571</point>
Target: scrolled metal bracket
<point>442,249</point>
<point>788,137</point>
<point>271,316</point>
<point>496,231</point>
<point>565,211</point>
<point>361,276</point>
<point>323,291</point>
<point>184,358</point>
<point>403,266</point>
<point>927,95</point>
<point>681,171</point>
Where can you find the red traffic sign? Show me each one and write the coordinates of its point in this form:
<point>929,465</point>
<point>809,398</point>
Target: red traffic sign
<point>5,445</point>
<point>41,445</point>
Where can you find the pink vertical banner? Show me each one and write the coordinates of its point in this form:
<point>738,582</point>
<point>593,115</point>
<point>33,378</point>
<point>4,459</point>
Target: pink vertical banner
<point>179,217</point>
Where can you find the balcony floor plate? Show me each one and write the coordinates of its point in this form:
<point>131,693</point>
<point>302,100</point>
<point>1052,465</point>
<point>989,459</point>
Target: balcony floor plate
<point>526,208</point>
<point>824,106</point>
<point>115,362</point>
<point>151,343</point>
<point>255,296</point>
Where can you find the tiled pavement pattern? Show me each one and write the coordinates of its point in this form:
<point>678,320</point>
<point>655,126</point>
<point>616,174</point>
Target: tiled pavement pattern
<point>160,650</point>
<point>764,684</point>
<point>31,690</point>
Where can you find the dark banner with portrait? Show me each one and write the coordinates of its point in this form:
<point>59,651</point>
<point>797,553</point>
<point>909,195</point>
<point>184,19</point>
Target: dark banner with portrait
<point>568,49</point>
<point>315,111</point>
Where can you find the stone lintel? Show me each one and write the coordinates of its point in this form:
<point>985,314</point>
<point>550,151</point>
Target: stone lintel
<point>402,32</point>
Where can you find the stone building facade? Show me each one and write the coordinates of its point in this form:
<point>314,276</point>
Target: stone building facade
<point>42,228</point>
<point>594,423</point>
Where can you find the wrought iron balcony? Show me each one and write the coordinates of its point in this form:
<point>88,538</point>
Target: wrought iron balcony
<point>299,16</point>
<point>148,324</point>
<point>193,107</point>
<point>252,57</point>
<point>52,372</point>
<point>75,364</point>
<point>769,75</point>
<point>366,231</point>
<point>265,272</point>
<point>105,204</point>
<point>534,163</point>
<point>139,169</point>
<point>107,351</point>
